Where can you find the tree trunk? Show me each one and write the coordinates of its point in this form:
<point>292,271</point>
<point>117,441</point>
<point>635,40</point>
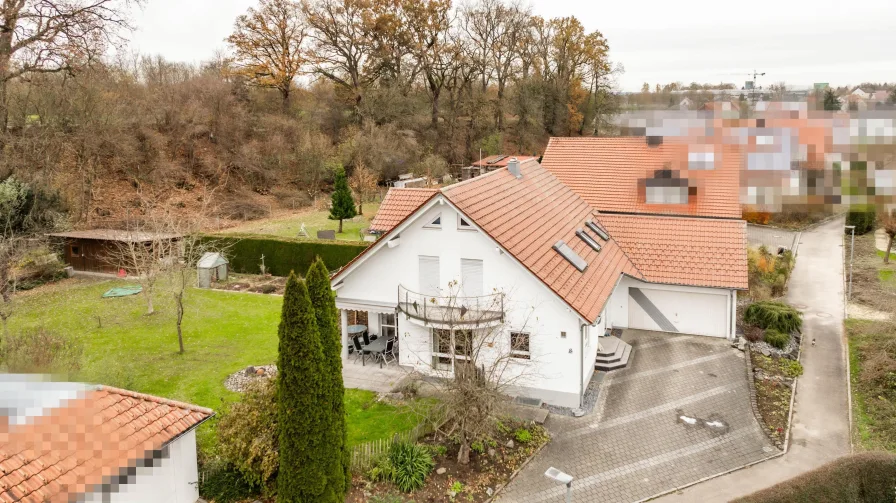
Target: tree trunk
<point>463,453</point>
<point>149,308</point>
<point>340,226</point>
<point>499,109</point>
<point>179,300</point>
<point>285,94</point>
<point>889,249</point>
<point>434,118</point>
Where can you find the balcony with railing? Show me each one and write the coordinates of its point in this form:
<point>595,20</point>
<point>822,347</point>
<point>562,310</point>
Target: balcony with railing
<point>451,310</point>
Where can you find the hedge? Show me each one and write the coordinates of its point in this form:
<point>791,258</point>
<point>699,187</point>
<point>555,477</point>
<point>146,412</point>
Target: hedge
<point>282,255</point>
<point>775,315</point>
<point>863,217</point>
<point>866,478</point>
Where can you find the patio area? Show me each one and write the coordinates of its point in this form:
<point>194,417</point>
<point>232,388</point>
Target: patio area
<point>372,377</point>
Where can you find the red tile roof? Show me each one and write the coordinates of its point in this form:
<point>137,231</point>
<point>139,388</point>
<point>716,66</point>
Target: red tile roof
<point>683,251</point>
<point>89,439</point>
<point>609,173</point>
<point>397,205</point>
<point>500,161</point>
<point>528,216</point>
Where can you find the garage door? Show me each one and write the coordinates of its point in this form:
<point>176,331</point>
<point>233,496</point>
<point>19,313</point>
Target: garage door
<point>683,312</point>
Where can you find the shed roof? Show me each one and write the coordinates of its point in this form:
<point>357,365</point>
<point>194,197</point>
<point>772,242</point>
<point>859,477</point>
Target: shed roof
<point>211,259</point>
<point>115,235</point>
<point>87,439</point>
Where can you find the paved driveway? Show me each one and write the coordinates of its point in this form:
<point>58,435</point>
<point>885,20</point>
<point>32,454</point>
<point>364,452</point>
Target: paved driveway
<point>758,235</point>
<point>636,444</point>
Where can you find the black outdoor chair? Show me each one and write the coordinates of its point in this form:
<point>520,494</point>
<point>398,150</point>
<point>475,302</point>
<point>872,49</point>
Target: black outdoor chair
<point>374,337</point>
<point>359,350</point>
<point>388,355</point>
<point>366,339</point>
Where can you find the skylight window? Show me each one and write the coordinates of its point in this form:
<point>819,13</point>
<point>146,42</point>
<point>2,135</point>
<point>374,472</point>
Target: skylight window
<point>572,257</point>
<point>701,160</point>
<point>597,230</point>
<point>588,239</point>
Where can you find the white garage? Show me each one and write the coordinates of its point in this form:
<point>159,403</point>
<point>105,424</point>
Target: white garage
<point>686,312</point>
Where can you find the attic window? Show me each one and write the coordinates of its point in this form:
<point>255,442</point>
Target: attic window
<point>588,240</point>
<point>463,224</point>
<point>435,223</point>
<point>667,195</point>
<point>597,230</point>
<point>572,257</point>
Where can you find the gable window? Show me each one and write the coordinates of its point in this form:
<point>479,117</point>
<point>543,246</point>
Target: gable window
<point>519,345</point>
<point>435,223</point>
<point>464,224</point>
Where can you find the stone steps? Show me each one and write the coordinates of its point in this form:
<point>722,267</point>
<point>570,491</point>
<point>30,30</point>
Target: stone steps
<point>613,355</point>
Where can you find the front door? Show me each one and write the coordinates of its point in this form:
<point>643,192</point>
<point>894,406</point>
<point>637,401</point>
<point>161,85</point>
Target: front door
<point>75,255</point>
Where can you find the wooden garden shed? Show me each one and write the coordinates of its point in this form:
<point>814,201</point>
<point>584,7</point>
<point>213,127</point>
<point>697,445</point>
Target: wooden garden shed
<point>94,250</point>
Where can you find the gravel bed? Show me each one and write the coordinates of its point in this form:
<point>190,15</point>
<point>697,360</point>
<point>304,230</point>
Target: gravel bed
<point>590,399</point>
<point>240,379</point>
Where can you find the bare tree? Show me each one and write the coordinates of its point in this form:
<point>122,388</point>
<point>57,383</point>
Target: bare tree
<point>889,222</point>
<point>363,181</point>
<point>12,249</point>
<point>145,254</point>
<point>50,36</point>
<point>478,358</point>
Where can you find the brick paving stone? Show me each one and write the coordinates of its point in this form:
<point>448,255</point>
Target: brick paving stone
<point>633,445</point>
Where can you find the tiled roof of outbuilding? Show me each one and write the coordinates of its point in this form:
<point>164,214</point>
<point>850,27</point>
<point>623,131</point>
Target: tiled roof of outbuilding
<point>87,441</point>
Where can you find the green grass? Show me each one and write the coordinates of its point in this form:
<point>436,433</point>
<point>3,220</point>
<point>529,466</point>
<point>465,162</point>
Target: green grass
<point>223,332</point>
<point>313,220</point>
<point>887,275</point>
<point>873,406</point>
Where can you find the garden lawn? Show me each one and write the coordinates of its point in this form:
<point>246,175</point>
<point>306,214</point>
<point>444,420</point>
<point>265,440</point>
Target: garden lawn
<point>314,221</point>
<point>223,332</point>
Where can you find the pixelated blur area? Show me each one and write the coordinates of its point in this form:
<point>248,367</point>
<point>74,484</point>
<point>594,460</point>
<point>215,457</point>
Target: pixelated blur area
<point>761,160</point>
<point>65,441</point>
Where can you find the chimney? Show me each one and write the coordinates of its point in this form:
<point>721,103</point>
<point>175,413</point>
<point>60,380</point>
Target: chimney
<point>513,165</point>
<point>653,141</point>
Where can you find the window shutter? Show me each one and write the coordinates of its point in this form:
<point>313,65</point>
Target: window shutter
<point>429,275</point>
<point>471,277</point>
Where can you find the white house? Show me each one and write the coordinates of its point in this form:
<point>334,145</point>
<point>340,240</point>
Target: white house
<point>534,262</point>
<point>75,442</point>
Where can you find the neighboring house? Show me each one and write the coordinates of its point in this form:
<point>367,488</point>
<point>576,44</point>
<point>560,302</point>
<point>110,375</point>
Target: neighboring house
<point>94,250</point>
<point>560,272</point>
<point>490,163</point>
<point>685,104</point>
<point>75,442</point>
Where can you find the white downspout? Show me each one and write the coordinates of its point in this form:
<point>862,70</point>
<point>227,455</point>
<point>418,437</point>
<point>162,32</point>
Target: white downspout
<point>582,364</point>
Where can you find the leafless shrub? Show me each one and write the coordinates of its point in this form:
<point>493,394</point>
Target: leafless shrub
<point>242,209</point>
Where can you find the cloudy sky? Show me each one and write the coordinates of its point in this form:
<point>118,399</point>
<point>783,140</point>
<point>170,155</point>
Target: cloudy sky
<point>796,41</point>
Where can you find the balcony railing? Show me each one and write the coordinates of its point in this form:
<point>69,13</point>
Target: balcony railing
<point>451,310</point>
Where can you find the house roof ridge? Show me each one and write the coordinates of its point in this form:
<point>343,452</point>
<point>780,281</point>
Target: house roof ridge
<point>156,399</point>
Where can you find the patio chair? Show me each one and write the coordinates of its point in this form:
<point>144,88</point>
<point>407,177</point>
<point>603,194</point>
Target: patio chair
<point>359,350</point>
<point>366,338</point>
<point>374,337</point>
<point>388,355</point>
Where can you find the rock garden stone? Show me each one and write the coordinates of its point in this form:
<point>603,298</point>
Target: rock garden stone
<point>441,470</point>
<point>510,444</point>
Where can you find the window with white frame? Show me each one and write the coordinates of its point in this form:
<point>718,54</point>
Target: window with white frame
<point>429,275</point>
<point>387,325</point>
<point>435,222</point>
<point>519,345</point>
<point>463,223</point>
<point>471,272</point>
<point>450,347</point>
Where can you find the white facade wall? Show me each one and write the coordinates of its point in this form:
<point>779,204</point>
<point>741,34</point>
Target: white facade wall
<point>618,307</point>
<point>556,366</point>
<point>174,480</point>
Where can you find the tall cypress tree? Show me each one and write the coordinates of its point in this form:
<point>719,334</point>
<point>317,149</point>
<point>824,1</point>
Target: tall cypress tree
<point>302,477</point>
<point>343,204</point>
<point>339,478</point>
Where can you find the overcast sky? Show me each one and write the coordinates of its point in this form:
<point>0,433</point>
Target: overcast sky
<point>796,41</point>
